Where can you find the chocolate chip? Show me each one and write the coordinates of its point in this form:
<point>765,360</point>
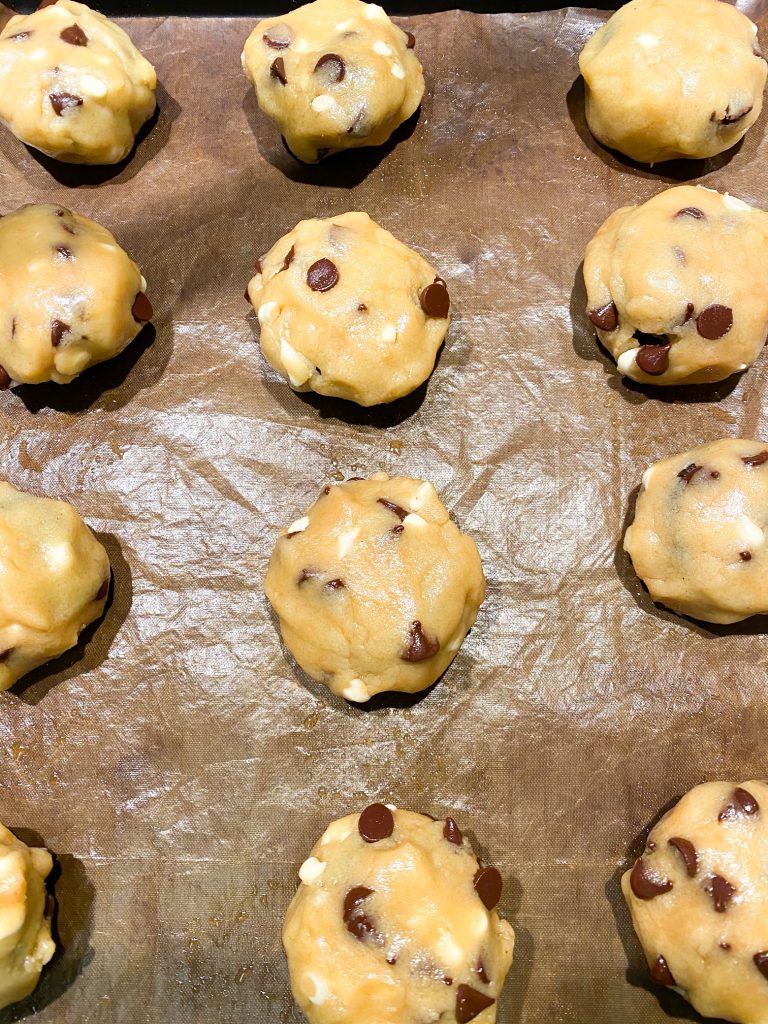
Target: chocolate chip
<point>687,851</point>
<point>397,530</point>
<point>279,37</point>
<point>653,359</point>
<point>5,379</point>
<point>357,921</point>
<point>729,118</point>
<point>714,322</point>
<point>376,823</point>
<point>745,556</point>
<point>661,973</point>
<point>259,266</point>
<point>410,40</point>
<point>360,127</point>
<point>721,891</point>
<point>398,510</point>
<point>419,645</point>
<point>447,981</point>
<point>246,296</point>
<point>307,574</point>
<point>688,313</point>
<point>742,802</point>
<point>725,945</point>
<point>689,472</point>
<point>481,972</point>
<point>332,66</point>
<point>488,886</point>
<point>13,327</point>
<point>322,276</point>
<point>20,36</point>
<point>277,70</point>
<point>435,300</point>
<point>692,211</point>
<point>646,886</point>
<point>5,655</point>
<point>606,318</point>
<point>752,461</point>
<point>101,593</point>
<point>142,309</point>
<point>74,35</point>
<point>361,307</point>
<point>58,330</point>
<point>391,959</point>
<point>288,258</point>
<point>761,962</point>
<point>335,585</point>
<point>61,101</point>
<point>327,489</point>
<point>470,1004</point>
<point>452,832</point>
<point>64,252</point>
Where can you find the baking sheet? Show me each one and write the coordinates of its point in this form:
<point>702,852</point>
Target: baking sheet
<point>178,763</point>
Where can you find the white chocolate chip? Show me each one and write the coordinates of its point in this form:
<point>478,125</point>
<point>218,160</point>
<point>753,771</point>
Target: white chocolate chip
<point>397,71</point>
<point>414,520</point>
<point>448,950</point>
<point>389,333</point>
<point>374,11</point>
<point>346,540</point>
<point>319,988</point>
<point>753,536</point>
<point>297,366</point>
<point>426,493</point>
<point>267,312</point>
<point>93,86</point>
<point>311,871</point>
<point>143,283</point>
<point>323,103</point>
<point>391,807</point>
<point>356,691</point>
<point>242,59</point>
<point>647,40</point>
<point>299,526</point>
<point>344,25</point>
<point>59,556</point>
<point>647,476</point>
<point>743,366</point>
<point>626,360</point>
<point>735,204</point>
<point>337,832</point>
<point>382,49</point>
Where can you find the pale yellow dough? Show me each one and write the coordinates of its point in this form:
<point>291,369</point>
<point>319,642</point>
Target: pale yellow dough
<point>54,578</point>
<point>26,945</point>
<point>679,281</point>
<point>69,296</point>
<point>81,101</point>
<point>430,938</point>
<point>372,598</point>
<point>699,900</point>
<point>673,78</point>
<point>698,536</point>
<point>333,75</point>
<point>371,337</point>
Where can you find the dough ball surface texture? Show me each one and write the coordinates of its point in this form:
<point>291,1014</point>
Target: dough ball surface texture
<point>395,923</point>
<point>54,579</point>
<point>347,310</point>
<point>375,587</point>
<point>673,78</point>
<point>73,85</point>
<point>333,75</point>
<point>675,286</point>
<point>69,296</point>
<point>698,896</point>
<point>26,945</point>
<point>698,536</point>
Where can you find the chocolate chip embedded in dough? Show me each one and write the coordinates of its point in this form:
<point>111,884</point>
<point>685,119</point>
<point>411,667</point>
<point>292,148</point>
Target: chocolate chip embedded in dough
<point>74,35</point>
<point>335,585</point>
<point>398,510</point>
<point>5,379</point>
<point>307,574</point>
<point>646,886</point>
<point>278,37</point>
<point>714,322</point>
<point>259,266</point>
<point>761,962</point>
<point>692,211</point>
<point>376,823</point>
<point>687,851</point>
<point>5,655</point>
<point>688,313</point>
<point>61,101</point>
<point>322,276</point>
<point>397,530</point>
<point>480,971</point>
<point>288,258</point>
<point>745,556</point>
<point>688,473</point>
<point>101,593</point>
<point>332,67</point>
<point>277,70</point>
<point>64,252</point>
<point>729,118</point>
<point>742,802</point>
<point>653,359</point>
<point>410,41</point>
<point>470,1003</point>
<point>419,645</point>
<point>606,318</point>
<point>721,891</point>
<point>142,309</point>
<point>452,832</point>
<point>58,330</point>
<point>361,307</point>
<point>488,886</point>
<point>435,300</point>
<point>753,461</point>
<point>661,973</point>
<point>19,37</point>
<point>725,946</point>
<point>357,921</point>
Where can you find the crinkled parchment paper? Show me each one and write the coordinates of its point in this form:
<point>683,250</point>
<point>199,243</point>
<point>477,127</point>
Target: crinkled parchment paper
<point>179,764</point>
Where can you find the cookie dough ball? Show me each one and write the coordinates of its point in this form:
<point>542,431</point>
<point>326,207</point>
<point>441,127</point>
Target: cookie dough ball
<point>699,900</point>
<point>698,537</point>
<point>673,78</point>
<point>26,945</point>
<point>347,310</point>
<point>394,923</point>
<point>73,85</point>
<point>69,296</point>
<point>375,587</point>
<point>54,579</point>
<point>675,287</point>
<point>333,75</point>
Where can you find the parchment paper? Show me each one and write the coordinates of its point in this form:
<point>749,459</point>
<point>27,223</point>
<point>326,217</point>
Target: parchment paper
<point>178,763</point>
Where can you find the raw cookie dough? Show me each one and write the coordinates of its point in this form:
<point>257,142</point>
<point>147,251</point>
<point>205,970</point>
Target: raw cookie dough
<point>334,75</point>
<point>394,923</point>
<point>698,540</point>
<point>673,78</point>
<point>69,296</point>
<point>26,945</point>
<point>699,900</point>
<point>676,286</point>
<point>375,587</point>
<point>54,579</point>
<point>73,85</point>
<point>347,310</point>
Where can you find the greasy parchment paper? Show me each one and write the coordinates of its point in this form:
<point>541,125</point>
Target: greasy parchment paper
<point>179,764</point>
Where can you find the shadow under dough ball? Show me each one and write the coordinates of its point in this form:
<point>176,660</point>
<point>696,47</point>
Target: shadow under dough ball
<point>334,75</point>
<point>73,85</point>
<point>673,78</point>
<point>395,921</point>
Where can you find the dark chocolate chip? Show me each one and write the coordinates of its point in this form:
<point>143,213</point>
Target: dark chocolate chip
<point>322,276</point>
<point>376,823</point>
<point>742,802</point>
<point>606,318</point>
<point>288,258</point>
<point>646,886</point>
<point>714,322</point>
<point>64,252</point>
<point>259,266</point>
<point>357,921</point>
<point>61,101</point>
<point>447,981</point>
<point>650,846</point>
<point>419,645</point>
<point>729,118</point>
<point>277,70</point>
<point>101,593</point>
<point>452,832</point>
<point>435,300</point>
<point>397,530</point>
<point>398,510</point>
<point>360,127</point>
<point>13,327</point>
<point>74,35</point>
<point>725,945</point>
<point>653,359</point>
<point>410,40</point>
<point>391,959</point>
<point>692,211</point>
<point>307,574</point>
<point>5,655</point>
<point>327,489</point>
<point>761,962</point>
<point>721,891</point>
<point>661,973</point>
<point>689,472</point>
<point>332,67</point>
<point>688,313</point>
<point>488,886</point>
<point>142,309</point>
<point>279,37</point>
<point>752,461</point>
<point>58,330</point>
<point>687,851</point>
<point>20,36</point>
<point>5,379</point>
<point>361,307</point>
<point>745,556</point>
<point>481,972</point>
<point>470,1004</point>
<point>335,585</point>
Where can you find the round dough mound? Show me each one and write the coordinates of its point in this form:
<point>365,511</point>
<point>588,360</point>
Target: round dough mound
<point>345,309</point>
<point>675,286</point>
<point>73,85</point>
<point>699,900</point>
<point>697,540</point>
<point>54,579</point>
<point>333,75</point>
<point>394,923</point>
<point>26,945</point>
<point>673,78</point>
<point>69,296</point>
<point>375,587</point>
